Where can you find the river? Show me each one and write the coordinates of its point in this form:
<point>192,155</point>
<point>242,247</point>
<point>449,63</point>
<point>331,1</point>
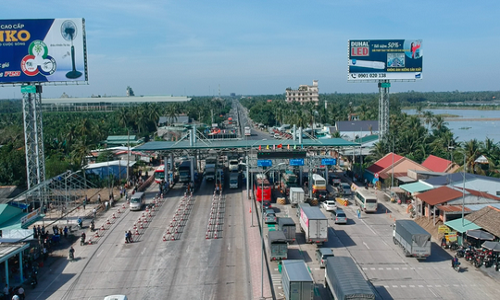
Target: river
<point>470,124</point>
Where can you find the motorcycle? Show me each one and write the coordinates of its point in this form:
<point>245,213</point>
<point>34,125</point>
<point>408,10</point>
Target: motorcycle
<point>92,226</point>
<point>456,267</point>
<point>80,224</point>
<point>71,256</point>
<point>82,241</point>
<point>461,252</point>
<point>34,281</point>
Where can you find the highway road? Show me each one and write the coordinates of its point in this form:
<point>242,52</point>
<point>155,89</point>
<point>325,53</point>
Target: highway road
<point>369,242</point>
<point>191,267</point>
<point>244,120</point>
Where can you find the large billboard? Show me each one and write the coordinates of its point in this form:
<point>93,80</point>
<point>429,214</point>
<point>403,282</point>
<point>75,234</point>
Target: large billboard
<point>384,60</point>
<point>44,50</point>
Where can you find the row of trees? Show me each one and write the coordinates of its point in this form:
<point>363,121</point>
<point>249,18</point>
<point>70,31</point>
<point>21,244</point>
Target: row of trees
<point>413,136</point>
<point>70,136</point>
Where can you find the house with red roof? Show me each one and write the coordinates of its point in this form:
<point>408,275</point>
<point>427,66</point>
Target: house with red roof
<point>392,165</point>
<point>446,202</point>
<point>440,165</point>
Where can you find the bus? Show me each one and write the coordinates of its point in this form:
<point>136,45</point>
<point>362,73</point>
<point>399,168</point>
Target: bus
<point>160,174</point>
<point>288,180</point>
<point>185,171</point>
<point>318,183</point>
<point>366,200</point>
<point>259,182</point>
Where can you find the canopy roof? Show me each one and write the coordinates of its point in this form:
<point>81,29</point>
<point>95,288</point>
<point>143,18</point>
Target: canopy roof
<point>457,225</point>
<point>415,187</point>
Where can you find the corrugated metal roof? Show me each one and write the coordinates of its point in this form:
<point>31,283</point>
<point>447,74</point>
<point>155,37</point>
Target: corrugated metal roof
<point>405,179</point>
<point>488,218</point>
<point>122,163</point>
<point>457,177</point>
<point>208,144</point>
<point>439,195</point>
<point>457,225</point>
<point>297,270</point>
<point>367,139</point>
<point>357,126</point>
<point>451,208</point>
<point>436,164</point>
<point>416,187</point>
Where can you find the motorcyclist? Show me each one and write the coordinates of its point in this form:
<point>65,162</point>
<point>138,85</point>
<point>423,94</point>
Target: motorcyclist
<point>454,261</point>
<point>92,225</point>
<point>71,253</point>
<point>82,238</point>
<point>127,236</point>
<point>443,241</point>
<point>80,222</point>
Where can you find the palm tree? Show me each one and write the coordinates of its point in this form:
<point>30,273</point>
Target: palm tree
<point>471,150</point>
<point>428,117</point>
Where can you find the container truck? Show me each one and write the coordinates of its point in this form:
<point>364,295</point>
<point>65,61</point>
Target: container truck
<point>297,282</point>
<point>345,281</point>
<point>287,225</point>
<point>297,196</point>
<point>234,180</point>
<point>277,245</point>
<point>314,224</point>
<point>414,240</point>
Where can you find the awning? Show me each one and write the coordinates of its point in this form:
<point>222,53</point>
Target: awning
<point>405,179</point>
<point>457,225</point>
<point>493,246</point>
<point>415,187</point>
<point>480,235</point>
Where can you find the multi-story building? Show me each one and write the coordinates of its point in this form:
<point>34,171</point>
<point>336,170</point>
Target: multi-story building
<point>305,93</point>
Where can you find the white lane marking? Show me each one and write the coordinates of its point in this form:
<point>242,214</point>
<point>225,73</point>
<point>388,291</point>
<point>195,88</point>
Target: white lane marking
<point>420,286</point>
<point>368,226</point>
<point>396,268</point>
<point>372,269</point>
<point>404,268</point>
<point>380,268</point>
<point>437,285</point>
<point>366,245</point>
<point>394,286</point>
<point>403,286</point>
<point>364,269</point>
<point>98,254</point>
<point>388,269</point>
<point>386,286</point>
<point>411,285</point>
<point>144,251</point>
<point>229,246</point>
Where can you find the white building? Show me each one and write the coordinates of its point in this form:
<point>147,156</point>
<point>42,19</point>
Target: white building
<point>305,93</point>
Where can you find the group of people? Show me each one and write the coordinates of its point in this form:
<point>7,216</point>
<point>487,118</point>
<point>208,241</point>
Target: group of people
<point>17,293</point>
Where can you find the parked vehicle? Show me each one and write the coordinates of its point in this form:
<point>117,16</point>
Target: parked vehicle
<point>234,178</point>
<point>344,280</point>
<point>414,240</point>
<point>287,225</point>
<point>288,180</point>
<point>322,254</point>
<point>297,196</point>
<point>185,171</point>
<point>299,208</point>
<point>314,224</point>
<point>137,201</point>
<point>209,173</point>
<point>277,245</point>
<point>270,216</point>
<point>339,216</point>
<point>298,283</point>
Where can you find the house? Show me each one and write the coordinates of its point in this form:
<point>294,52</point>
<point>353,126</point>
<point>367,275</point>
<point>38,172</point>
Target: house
<point>487,218</point>
<point>446,202</point>
<point>305,93</point>
<point>438,164</point>
<point>177,121</point>
<point>352,130</point>
<point>392,165</point>
<point>475,182</point>
<point>123,140</point>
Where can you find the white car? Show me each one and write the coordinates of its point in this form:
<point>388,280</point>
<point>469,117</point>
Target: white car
<point>329,205</point>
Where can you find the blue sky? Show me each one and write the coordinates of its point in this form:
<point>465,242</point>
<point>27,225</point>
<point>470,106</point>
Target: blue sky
<point>263,47</point>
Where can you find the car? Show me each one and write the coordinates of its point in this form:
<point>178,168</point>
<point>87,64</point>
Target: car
<point>322,254</point>
<point>269,211</point>
<point>338,216</point>
<point>344,189</point>
<point>266,204</point>
<point>270,218</point>
<point>330,205</point>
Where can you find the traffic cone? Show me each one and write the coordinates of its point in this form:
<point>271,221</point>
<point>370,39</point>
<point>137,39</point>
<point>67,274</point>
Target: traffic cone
<point>215,235</point>
<point>164,238</point>
<point>250,210</point>
<point>107,222</point>
<point>96,234</point>
<point>114,217</point>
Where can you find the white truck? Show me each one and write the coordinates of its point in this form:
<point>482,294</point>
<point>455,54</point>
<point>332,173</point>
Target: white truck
<point>297,196</point>
<point>234,180</point>
<point>413,238</point>
<point>248,131</point>
<point>234,165</point>
<point>314,224</point>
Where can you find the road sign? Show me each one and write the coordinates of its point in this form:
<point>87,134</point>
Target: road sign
<point>297,162</point>
<point>283,154</point>
<point>28,89</point>
<point>264,163</point>
<point>376,175</point>
<point>329,161</point>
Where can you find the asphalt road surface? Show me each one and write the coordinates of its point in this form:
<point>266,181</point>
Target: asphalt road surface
<point>191,267</point>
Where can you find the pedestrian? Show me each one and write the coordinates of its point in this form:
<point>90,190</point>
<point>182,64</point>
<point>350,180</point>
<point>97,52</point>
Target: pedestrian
<point>65,231</point>
<point>35,234</point>
<point>99,198</point>
<point>45,253</point>
<point>43,230</point>
<point>84,202</point>
<point>6,292</point>
<point>39,230</point>
<point>20,292</point>
<point>60,231</point>
<point>94,211</point>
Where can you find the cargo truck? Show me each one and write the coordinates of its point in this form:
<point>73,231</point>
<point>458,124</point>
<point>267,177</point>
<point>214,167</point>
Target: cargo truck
<point>344,280</point>
<point>277,245</point>
<point>297,282</point>
<point>414,240</point>
<point>234,180</point>
<point>248,131</point>
<point>287,225</point>
<point>296,196</point>
<point>314,224</point>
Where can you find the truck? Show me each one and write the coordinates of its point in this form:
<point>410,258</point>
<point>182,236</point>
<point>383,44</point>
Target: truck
<point>234,165</point>
<point>287,225</point>
<point>209,173</point>
<point>344,280</point>
<point>248,131</point>
<point>414,240</point>
<point>297,282</point>
<point>297,196</point>
<point>277,245</point>
<point>288,180</point>
<point>314,224</point>
<point>234,180</point>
